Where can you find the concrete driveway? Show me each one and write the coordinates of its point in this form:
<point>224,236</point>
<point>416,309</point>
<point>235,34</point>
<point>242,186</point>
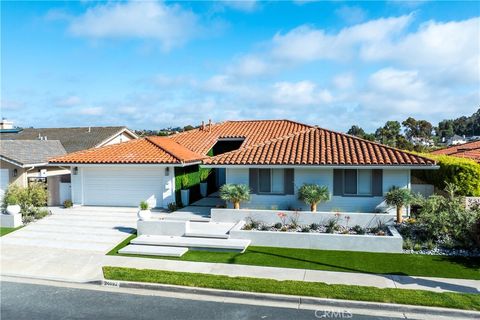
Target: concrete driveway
<point>69,244</point>
<point>86,228</point>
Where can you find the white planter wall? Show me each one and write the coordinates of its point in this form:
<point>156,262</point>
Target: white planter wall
<point>305,218</point>
<point>321,241</point>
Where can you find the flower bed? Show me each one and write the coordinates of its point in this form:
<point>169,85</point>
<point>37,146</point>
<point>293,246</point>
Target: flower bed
<point>332,227</point>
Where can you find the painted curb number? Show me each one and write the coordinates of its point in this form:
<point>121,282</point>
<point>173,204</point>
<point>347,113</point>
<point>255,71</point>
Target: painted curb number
<point>110,283</point>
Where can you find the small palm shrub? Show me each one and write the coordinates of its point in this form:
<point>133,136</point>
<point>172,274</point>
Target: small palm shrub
<point>398,198</point>
<point>313,194</point>
<point>235,193</point>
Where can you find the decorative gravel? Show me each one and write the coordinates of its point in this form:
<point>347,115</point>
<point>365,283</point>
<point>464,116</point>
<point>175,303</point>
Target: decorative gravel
<point>321,229</point>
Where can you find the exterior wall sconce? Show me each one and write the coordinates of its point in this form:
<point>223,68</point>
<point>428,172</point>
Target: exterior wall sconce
<point>15,172</point>
<point>75,171</point>
<point>167,171</point>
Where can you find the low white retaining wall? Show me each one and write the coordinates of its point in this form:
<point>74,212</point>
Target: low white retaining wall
<point>305,217</point>
<point>162,227</point>
<point>10,221</point>
<point>321,241</point>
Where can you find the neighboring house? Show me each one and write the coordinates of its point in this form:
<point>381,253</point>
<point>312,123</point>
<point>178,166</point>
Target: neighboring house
<point>420,141</point>
<point>456,140</point>
<point>24,154</point>
<point>470,150</point>
<point>273,157</point>
<point>26,161</point>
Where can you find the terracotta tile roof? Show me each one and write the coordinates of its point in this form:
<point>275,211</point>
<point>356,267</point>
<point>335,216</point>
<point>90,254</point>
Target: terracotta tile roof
<point>467,150</point>
<point>316,146</point>
<point>254,131</point>
<point>151,150</point>
<point>274,142</point>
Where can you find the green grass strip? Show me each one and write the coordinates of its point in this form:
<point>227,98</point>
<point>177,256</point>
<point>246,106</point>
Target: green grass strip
<point>121,245</point>
<point>298,288</point>
<point>5,231</point>
<point>343,261</point>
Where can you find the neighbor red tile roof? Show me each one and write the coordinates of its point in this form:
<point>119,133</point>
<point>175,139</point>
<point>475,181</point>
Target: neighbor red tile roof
<point>469,150</point>
<point>316,146</point>
<point>154,150</point>
<point>266,142</point>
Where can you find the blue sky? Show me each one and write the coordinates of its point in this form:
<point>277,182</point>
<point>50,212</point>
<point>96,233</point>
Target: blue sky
<point>153,64</point>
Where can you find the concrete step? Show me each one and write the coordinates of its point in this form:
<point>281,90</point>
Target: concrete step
<point>189,242</point>
<point>154,250</point>
<point>209,230</point>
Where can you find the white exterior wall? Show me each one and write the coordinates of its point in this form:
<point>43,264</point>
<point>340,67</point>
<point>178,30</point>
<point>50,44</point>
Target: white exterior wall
<point>166,183</point>
<point>391,177</point>
<point>123,137</point>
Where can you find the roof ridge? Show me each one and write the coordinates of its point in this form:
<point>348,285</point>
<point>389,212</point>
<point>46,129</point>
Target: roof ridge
<point>263,143</point>
<point>170,152</point>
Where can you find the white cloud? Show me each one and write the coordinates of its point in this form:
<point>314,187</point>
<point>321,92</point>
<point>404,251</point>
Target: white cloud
<point>300,93</point>
<point>351,14</point>
<point>91,111</point>
<point>305,43</point>
<point>343,81</point>
<point>248,66</point>
<point>69,101</point>
<point>170,24</point>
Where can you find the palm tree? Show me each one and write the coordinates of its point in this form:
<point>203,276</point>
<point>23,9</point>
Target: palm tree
<point>313,194</point>
<point>398,198</point>
<point>235,193</point>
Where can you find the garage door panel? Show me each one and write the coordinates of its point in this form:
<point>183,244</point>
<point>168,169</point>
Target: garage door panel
<point>122,187</point>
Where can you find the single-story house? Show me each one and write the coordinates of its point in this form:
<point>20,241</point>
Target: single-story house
<point>273,157</point>
<point>24,154</point>
<point>470,150</point>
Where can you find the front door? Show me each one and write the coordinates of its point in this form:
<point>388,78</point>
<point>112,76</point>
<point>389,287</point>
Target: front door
<point>220,176</point>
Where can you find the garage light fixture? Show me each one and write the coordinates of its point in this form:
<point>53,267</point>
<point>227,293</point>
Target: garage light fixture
<point>75,171</point>
<point>15,172</point>
<point>167,171</point>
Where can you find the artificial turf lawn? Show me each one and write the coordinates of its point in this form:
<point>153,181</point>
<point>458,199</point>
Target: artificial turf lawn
<point>345,261</point>
<point>4,231</point>
<point>300,288</point>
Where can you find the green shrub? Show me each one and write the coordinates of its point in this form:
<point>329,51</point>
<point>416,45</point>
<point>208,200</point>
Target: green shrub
<point>358,229</point>
<point>30,199</point>
<point>204,174</point>
<point>407,244</point>
<point>39,213</point>
<point>447,219</point>
<point>67,203</point>
<point>144,205</point>
<point>464,173</point>
<point>305,229</point>
<point>417,247</point>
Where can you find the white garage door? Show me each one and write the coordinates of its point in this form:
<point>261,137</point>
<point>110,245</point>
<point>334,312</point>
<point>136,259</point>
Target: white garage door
<point>122,186</point>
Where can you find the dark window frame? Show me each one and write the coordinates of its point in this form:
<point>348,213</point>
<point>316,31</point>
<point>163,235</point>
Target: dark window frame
<point>271,181</point>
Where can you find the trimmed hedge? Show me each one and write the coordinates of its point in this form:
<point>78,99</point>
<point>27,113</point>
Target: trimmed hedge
<point>193,173</point>
<point>464,173</point>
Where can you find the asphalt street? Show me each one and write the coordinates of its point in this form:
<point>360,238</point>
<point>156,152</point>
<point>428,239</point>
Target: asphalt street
<point>33,301</point>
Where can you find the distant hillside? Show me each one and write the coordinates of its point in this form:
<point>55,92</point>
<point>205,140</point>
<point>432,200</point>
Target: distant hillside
<point>468,126</point>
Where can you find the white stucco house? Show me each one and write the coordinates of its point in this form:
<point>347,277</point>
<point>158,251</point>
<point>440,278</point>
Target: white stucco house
<point>273,157</point>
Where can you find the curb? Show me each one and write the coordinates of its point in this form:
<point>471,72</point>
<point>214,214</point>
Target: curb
<point>300,300</point>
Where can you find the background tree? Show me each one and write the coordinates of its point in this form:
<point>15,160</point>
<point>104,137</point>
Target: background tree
<point>389,134</point>
<point>359,132</point>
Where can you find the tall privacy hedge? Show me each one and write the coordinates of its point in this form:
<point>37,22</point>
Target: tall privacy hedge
<point>193,182</point>
<point>464,173</point>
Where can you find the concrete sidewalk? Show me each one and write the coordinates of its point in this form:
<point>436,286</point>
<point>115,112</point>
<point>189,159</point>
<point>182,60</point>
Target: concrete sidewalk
<point>330,277</point>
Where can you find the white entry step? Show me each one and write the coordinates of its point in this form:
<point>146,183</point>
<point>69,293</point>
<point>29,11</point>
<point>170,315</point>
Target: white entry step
<point>188,242</point>
<point>154,250</point>
<point>209,230</point>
